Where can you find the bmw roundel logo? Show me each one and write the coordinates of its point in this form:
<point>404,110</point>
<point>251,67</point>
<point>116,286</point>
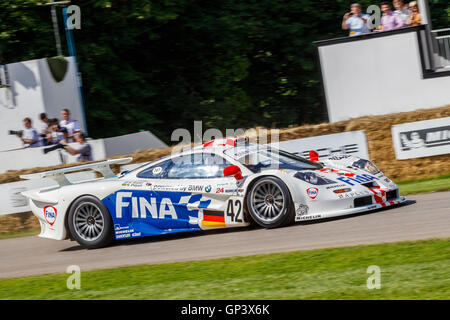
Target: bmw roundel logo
<point>208,188</point>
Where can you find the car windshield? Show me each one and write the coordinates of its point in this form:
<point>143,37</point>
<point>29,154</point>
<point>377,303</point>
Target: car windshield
<point>257,157</point>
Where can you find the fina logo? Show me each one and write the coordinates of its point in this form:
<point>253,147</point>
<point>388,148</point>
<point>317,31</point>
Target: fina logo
<point>312,192</point>
<point>50,214</point>
<point>142,205</point>
<point>362,178</point>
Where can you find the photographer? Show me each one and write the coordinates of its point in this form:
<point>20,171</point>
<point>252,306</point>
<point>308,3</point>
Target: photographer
<point>71,125</point>
<point>29,135</point>
<point>56,133</point>
<point>84,152</point>
<point>44,131</point>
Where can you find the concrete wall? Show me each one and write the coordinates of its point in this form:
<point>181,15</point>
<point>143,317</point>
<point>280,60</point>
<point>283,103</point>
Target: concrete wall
<point>377,75</point>
<point>34,157</point>
<point>101,149</point>
<point>130,143</point>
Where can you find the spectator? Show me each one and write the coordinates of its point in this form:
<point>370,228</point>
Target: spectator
<point>389,20</point>
<point>355,21</point>
<point>401,10</point>
<point>57,134</point>
<point>29,137</point>
<point>44,132</point>
<point>70,124</point>
<point>43,128</point>
<point>415,18</point>
<point>85,152</point>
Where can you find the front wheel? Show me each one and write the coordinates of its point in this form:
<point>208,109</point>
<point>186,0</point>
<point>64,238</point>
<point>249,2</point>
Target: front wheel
<point>269,203</point>
<point>90,222</point>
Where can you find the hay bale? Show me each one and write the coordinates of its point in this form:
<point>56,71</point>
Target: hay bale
<point>19,222</point>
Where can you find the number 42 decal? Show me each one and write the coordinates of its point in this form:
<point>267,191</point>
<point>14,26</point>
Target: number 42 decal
<point>234,210</point>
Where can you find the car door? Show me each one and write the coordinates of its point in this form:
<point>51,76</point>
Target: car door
<point>205,187</point>
<point>159,198</point>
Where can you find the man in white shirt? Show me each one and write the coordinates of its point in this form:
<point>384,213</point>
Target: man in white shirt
<point>56,135</point>
<point>43,130</point>
<point>355,21</point>
<point>84,151</point>
<point>29,137</point>
<point>70,124</point>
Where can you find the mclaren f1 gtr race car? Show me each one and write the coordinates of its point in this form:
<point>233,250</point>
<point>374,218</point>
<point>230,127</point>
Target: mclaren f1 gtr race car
<point>221,184</point>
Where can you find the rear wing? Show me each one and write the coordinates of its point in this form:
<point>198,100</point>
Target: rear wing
<point>59,174</point>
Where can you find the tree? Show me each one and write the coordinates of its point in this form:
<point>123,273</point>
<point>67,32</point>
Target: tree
<point>160,65</point>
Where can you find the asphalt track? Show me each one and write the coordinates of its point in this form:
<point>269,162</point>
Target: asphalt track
<point>421,217</point>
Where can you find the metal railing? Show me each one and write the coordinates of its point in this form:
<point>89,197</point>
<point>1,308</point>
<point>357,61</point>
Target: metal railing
<point>441,48</point>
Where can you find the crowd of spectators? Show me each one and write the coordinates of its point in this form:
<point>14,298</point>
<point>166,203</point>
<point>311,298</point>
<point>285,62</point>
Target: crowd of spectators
<point>404,15</point>
<point>53,132</point>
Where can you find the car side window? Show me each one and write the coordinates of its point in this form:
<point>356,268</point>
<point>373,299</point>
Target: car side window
<point>197,165</point>
<point>157,171</point>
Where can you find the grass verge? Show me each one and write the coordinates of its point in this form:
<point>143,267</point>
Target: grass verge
<point>28,233</point>
<point>441,183</point>
<point>409,270</point>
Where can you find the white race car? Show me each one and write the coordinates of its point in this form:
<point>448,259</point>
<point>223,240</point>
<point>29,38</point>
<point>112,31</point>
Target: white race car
<point>221,184</point>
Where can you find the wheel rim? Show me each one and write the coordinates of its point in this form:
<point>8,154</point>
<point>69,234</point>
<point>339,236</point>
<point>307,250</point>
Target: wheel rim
<point>267,200</point>
<point>88,221</point>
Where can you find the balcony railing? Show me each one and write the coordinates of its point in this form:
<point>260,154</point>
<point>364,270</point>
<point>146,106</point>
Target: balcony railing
<point>441,48</point>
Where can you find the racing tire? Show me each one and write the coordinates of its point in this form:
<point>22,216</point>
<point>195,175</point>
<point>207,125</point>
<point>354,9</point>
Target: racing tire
<point>269,203</point>
<point>90,223</point>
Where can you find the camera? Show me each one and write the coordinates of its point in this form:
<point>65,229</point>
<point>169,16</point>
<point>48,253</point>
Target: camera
<point>44,139</point>
<point>62,129</point>
<point>53,148</point>
<point>13,132</point>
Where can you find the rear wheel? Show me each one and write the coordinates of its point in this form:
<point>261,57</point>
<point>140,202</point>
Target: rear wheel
<point>90,222</point>
<point>269,203</point>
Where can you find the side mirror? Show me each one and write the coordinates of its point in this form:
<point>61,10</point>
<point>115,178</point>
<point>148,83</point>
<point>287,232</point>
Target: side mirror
<point>313,156</point>
<point>234,171</point>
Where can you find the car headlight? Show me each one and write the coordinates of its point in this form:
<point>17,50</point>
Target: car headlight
<point>366,165</point>
<point>313,178</point>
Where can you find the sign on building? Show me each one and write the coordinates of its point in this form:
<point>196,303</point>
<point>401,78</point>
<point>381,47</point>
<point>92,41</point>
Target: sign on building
<point>422,138</point>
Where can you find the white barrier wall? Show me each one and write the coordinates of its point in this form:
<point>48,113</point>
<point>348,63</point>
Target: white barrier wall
<point>34,157</point>
<point>378,74</point>
<point>353,143</point>
<point>130,143</point>
<point>101,149</point>
<point>33,91</point>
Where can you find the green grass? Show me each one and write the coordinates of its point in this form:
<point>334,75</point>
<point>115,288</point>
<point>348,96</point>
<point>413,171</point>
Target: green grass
<point>20,234</point>
<point>441,183</point>
<point>409,270</point>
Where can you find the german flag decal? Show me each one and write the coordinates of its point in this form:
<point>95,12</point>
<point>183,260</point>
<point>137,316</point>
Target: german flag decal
<point>212,218</point>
